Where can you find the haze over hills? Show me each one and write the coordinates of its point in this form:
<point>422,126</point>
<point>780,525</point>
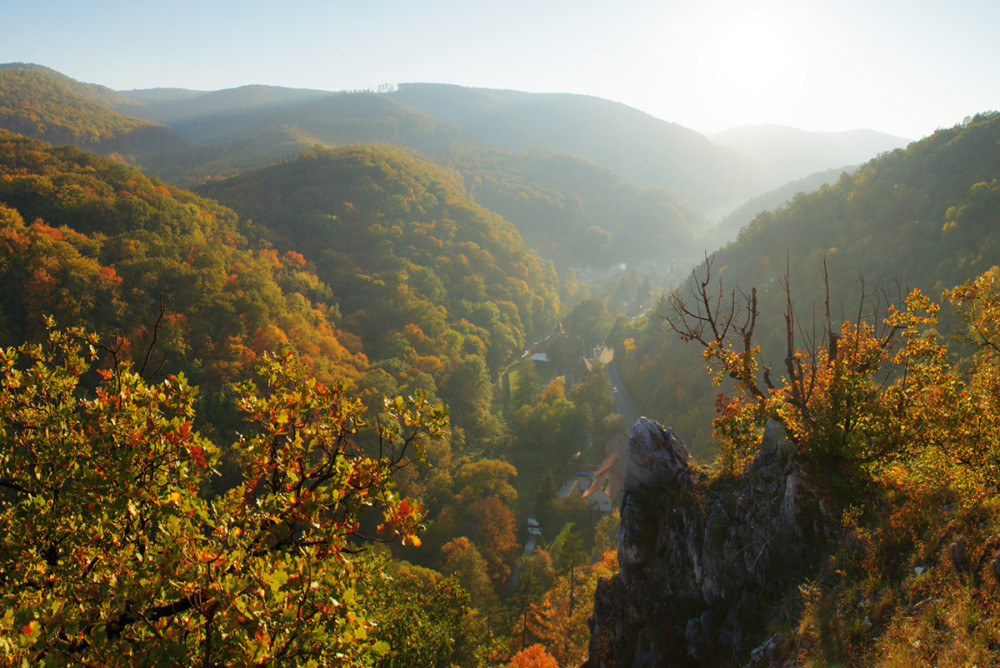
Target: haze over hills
<point>726,230</point>
<point>578,213</point>
<point>789,153</point>
<point>261,124</point>
<point>387,261</point>
<point>639,147</point>
<point>175,106</point>
<point>224,144</point>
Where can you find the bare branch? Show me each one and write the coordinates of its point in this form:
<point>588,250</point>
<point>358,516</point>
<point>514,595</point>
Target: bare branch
<point>156,333</point>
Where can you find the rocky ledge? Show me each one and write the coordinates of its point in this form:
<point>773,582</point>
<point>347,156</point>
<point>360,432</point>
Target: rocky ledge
<point>700,557</point>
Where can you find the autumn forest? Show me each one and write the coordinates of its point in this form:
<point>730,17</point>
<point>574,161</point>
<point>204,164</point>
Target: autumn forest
<point>292,377</point>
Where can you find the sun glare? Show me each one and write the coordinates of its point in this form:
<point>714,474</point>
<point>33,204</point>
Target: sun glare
<point>749,57</point>
<point>753,59</point>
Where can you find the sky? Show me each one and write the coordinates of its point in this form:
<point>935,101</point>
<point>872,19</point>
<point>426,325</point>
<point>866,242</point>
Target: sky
<point>906,68</point>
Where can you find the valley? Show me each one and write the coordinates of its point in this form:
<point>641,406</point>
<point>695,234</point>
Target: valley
<point>288,370</point>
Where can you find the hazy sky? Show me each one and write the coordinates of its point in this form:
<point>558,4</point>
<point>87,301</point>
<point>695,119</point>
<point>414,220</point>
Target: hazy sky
<point>905,67</point>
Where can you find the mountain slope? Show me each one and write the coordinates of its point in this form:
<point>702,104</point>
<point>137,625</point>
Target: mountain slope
<point>927,216</point>
<point>726,229</point>
<point>575,212</point>
<point>97,244</point>
<point>921,215</point>
<point>46,105</point>
<point>378,219</point>
<point>637,146</point>
<point>239,135</point>
<point>440,291</point>
<point>175,106</point>
<point>96,93</point>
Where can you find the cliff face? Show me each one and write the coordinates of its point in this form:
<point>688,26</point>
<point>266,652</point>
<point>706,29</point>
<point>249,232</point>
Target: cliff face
<point>700,558</point>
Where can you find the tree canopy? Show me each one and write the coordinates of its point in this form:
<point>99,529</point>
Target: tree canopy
<point>112,551</point>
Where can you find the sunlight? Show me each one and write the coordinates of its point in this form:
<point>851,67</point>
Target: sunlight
<point>749,56</point>
<point>755,59</point>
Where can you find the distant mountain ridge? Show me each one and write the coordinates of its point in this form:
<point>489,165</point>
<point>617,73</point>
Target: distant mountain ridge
<point>180,106</point>
<point>788,153</point>
<point>639,147</point>
<point>187,136</point>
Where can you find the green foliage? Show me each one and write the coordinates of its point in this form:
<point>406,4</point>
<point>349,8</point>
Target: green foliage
<point>567,549</point>
<point>595,402</point>
<point>583,328</point>
<point>907,442</point>
<point>111,249</point>
<point>112,556</point>
<point>526,390</point>
<point>460,558</point>
<point>425,618</point>
<point>421,275</point>
<point>918,218</point>
<point>544,435</point>
<point>574,212</point>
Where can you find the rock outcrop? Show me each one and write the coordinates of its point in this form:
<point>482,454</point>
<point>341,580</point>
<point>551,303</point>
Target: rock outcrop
<point>699,556</point>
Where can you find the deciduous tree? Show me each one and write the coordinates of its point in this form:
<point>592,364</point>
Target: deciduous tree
<point>112,554</point>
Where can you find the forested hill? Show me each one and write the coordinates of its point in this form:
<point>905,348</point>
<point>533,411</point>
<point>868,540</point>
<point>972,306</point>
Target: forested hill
<point>221,133</point>
<point>102,95</point>
<point>175,107</point>
<point>576,212</point>
<point>399,240</point>
<point>927,216</point>
<point>230,133</point>
<point>726,229</point>
<point>639,147</point>
<point>375,254</point>
<point>97,244</point>
<point>44,104</point>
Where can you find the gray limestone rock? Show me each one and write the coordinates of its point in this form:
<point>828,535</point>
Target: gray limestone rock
<point>656,456</point>
<point>697,555</point>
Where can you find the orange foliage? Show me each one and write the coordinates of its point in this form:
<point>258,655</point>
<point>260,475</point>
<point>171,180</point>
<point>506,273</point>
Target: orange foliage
<point>430,365</point>
<point>41,228</point>
<point>556,389</point>
<point>111,275</point>
<point>268,338</point>
<point>496,526</point>
<point>270,257</point>
<point>533,657</point>
<point>293,258</point>
<point>413,334</point>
